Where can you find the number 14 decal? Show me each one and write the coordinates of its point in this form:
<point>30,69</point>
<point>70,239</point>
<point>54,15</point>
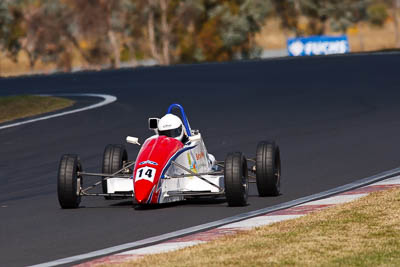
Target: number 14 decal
<point>145,173</point>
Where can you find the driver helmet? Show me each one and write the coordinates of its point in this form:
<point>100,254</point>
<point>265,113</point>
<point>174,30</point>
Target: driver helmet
<point>171,125</point>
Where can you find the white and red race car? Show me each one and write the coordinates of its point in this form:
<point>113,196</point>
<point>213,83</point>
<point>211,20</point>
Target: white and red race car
<point>172,165</point>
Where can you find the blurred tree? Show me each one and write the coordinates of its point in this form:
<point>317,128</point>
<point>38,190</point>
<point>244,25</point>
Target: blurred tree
<point>101,23</point>
<point>224,30</point>
<point>339,14</point>
<point>396,5</point>
<point>377,14</point>
<point>42,29</point>
<point>191,31</point>
<point>288,11</point>
<point>168,24</point>
<point>238,25</point>
<point>47,30</point>
<point>10,29</point>
<point>347,13</point>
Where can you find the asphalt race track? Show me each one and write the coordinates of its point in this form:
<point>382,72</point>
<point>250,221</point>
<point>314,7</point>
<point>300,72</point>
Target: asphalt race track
<point>336,119</point>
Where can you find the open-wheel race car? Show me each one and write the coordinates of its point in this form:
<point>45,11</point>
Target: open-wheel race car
<point>172,165</point>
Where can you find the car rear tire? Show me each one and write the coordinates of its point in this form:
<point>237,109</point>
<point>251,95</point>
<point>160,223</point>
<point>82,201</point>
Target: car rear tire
<point>113,160</point>
<point>268,169</point>
<point>68,182</point>
<point>236,180</point>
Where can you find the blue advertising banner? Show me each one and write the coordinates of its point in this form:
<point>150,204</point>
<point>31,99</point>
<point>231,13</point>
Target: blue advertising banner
<point>318,45</point>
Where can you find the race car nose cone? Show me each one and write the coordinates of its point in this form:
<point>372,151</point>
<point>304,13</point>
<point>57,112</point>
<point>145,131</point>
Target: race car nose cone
<point>140,198</point>
<point>142,191</point>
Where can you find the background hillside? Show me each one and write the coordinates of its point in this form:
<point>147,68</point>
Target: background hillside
<point>45,35</point>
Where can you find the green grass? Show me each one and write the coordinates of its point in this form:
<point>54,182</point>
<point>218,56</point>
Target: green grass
<point>22,106</point>
<point>365,232</point>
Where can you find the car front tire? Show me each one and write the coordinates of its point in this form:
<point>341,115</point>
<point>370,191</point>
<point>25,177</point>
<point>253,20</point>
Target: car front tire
<point>268,169</point>
<point>236,179</point>
<point>68,182</point>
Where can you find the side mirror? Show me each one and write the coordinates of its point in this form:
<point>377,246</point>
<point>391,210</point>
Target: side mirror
<point>132,140</point>
<point>153,123</point>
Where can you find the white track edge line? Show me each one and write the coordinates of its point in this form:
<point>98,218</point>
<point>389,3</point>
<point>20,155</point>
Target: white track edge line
<point>239,217</point>
<point>108,99</point>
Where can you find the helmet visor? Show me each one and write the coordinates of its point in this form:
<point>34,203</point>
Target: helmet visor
<point>171,133</point>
